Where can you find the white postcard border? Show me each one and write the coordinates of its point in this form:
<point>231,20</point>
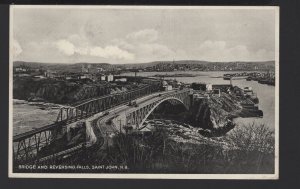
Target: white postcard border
<point>145,176</point>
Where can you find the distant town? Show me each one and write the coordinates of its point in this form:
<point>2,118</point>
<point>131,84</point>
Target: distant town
<point>104,71</point>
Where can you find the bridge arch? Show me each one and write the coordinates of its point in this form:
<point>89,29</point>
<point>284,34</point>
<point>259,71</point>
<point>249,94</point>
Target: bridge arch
<point>138,117</point>
<point>156,105</point>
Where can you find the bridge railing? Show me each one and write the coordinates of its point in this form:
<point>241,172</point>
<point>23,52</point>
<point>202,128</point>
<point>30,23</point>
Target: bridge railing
<point>96,105</point>
<point>27,146</point>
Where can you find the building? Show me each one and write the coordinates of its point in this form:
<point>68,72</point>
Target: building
<point>83,77</point>
<point>168,87</point>
<point>103,78</point>
<point>121,79</point>
<point>209,87</point>
<point>86,76</point>
<point>21,69</point>
<point>110,78</point>
<point>222,87</point>
<point>50,74</point>
<point>164,83</point>
<point>100,70</point>
<point>40,76</point>
<point>216,93</point>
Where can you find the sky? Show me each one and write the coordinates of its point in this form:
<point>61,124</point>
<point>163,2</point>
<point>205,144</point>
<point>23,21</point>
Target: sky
<point>136,35</point>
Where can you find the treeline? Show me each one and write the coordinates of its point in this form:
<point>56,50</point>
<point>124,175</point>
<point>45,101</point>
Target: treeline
<point>251,152</point>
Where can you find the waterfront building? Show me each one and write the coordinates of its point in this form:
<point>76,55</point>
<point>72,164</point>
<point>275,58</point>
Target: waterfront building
<point>222,87</point>
<point>208,87</point>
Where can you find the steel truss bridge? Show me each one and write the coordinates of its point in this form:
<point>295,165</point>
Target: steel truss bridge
<point>26,146</point>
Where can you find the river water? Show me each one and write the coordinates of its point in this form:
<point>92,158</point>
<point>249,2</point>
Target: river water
<point>265,93</point>
<point>30,115</point>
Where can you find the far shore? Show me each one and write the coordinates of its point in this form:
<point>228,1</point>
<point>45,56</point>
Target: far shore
<point>176,75</point>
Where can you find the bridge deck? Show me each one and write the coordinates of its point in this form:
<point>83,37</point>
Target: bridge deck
<point>120,112</point>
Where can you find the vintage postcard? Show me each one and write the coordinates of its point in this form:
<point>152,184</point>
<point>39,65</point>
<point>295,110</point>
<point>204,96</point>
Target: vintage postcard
<point>165,92</point>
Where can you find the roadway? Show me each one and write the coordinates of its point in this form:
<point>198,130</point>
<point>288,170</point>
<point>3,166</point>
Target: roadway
<point>106,130</point>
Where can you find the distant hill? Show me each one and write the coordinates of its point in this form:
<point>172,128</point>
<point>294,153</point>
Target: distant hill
<point>60,67</point>
<point>147,64</point>
<point>143,65</point>
<point>76,67</point>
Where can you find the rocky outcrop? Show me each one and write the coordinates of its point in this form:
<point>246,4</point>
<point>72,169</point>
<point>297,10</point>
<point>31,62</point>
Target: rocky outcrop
<point>61,92</point>
<point>200,114</point>
<point>217,131</point>
<point>211,116</point>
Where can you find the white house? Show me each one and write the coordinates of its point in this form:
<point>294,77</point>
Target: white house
<point>110,77</point>
<point>208,87</point>
<point>83,77</point>
<point>103,78</point>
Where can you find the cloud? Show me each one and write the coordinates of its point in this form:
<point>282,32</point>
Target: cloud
<point>71,46</point>
<point>65,47</point>
<point>17,49</point>
<point>82,50</point>
<point>123,44</point>
<point>213,45</point>
<point>143,36</point>
<point>144,44</point>
<point>263,54</point>
<point>111,52</point>
<point>79,40</point>
<point>138,46</point>
<point>219,51</point>
<point>155,50</point>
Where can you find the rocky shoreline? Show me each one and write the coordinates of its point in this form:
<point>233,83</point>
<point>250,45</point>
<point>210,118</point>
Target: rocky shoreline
<point>212,117</point>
